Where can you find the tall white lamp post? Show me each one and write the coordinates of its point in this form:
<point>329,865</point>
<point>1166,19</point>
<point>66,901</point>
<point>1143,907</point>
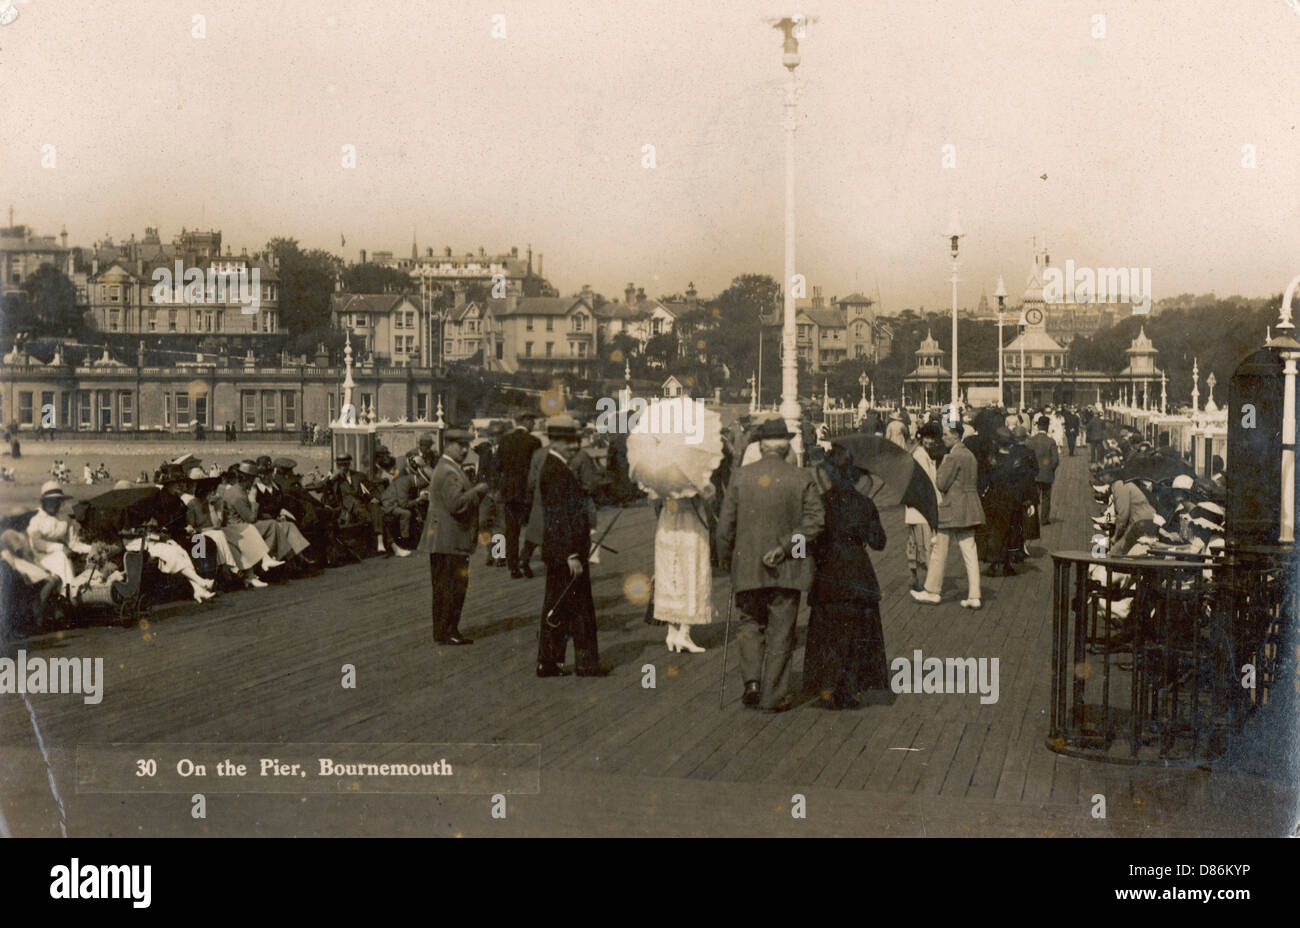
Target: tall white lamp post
<point>1290,354</point>
<point>1001,294</point>
<point>793,29</point>
<point>954,234</point>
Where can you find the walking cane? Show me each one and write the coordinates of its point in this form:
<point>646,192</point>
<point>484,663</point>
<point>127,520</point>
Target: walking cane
<point>574,579</point>
<point>722,686</point>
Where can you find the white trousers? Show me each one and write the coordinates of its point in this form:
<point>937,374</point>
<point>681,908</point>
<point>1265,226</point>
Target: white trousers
<point>939,559</point>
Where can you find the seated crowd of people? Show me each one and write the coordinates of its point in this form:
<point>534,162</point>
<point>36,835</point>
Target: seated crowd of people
<point>244,526</point>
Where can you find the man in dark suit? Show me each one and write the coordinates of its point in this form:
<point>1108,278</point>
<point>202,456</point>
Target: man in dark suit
<point>397,499</point>
<point>1049,458</point>
<point>568,609</point>
<point>511,474</point>
<point>770,517</point>
<point>351,494</point>
<point>450,534</point>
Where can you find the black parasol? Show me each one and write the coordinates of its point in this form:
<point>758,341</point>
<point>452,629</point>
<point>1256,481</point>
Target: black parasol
<point>895,477</point>
<point>105,516</point>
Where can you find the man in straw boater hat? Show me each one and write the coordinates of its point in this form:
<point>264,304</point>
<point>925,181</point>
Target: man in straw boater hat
<point>771,515</point>
<point>450,534</point>
<point>568,609</point>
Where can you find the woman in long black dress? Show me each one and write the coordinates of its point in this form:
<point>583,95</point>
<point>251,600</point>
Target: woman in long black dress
<point>844,659</point>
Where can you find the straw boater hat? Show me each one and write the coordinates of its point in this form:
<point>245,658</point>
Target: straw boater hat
<point>562,426</point>
<point>50,489</point>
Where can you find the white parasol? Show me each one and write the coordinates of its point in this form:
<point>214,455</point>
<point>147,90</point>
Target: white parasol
<point>674,448</point>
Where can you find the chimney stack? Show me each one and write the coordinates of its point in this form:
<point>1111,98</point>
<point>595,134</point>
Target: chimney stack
<point>63,237</point>
<point>363,256</point>
<point>629,294</point>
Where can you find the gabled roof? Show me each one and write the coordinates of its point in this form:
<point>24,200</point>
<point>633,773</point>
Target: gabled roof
<point>1034,340</point>
<point>825,318</point>
<point>623,312</point>
<point>368,302</point>
<point>541,306</point>
<point>458,313</point>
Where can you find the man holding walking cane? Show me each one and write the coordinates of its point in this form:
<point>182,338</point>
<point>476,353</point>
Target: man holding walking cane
<point>770,516</point>
<point>568,610</point>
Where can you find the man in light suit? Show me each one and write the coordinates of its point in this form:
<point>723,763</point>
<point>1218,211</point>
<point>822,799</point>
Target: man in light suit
<point>960,513</point>
<point>450,534</point>
<point>770,516</point>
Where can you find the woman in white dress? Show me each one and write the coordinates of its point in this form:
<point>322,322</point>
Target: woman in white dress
<point>1056,427</point>
<point>683,589</point>
<point>52,537</point>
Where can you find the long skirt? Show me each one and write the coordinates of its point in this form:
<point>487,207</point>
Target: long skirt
<point>57,562</point>
<point>247,545</point>
<point>683,573</point>
<point>225,555</point>
<point>845,651</point>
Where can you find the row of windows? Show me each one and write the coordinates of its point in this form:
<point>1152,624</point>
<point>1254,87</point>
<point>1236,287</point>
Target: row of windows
<point>112,293</point>
<point>279,408</point>
<point>577,324</point>
<point>204,320</point>
<point>576,349</point>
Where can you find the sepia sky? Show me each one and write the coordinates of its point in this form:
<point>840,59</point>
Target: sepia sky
<point>470,140</point>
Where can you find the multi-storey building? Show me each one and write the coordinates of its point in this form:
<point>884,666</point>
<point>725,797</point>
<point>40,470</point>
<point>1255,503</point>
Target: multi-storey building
<point>435,272</point>
<point>123,280</point>
<point>22,252</point>
<point>548,335</point>
<point>108,395</point>
<point>388,326</point>
<point>639,316</point>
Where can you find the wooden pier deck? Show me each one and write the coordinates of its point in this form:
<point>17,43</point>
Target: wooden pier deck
<point>616,757</point>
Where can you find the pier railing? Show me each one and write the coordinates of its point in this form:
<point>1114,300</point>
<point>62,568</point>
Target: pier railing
<point>1162,660</point>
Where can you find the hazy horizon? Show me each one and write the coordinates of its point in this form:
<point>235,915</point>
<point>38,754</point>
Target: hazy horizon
<point>469,140</point>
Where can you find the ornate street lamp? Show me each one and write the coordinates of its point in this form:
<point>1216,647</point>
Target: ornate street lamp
<point>1290,349</point>
<point>954,234</point>
<point>793,28</point>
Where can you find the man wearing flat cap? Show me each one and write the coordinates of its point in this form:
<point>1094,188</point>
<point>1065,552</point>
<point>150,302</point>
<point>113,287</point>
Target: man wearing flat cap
<point>771,514</point>
<point>450,534</point>
<point>356,501</point>
<point>568,609</point>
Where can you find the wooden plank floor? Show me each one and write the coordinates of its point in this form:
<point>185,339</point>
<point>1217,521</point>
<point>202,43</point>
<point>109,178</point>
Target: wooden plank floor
<point>265,666</point>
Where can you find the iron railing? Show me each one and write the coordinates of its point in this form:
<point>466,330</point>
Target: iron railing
<point>1163,660</point>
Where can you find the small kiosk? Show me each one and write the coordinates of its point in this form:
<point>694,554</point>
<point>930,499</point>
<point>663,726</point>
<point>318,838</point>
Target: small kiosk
<point>360,436</point>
